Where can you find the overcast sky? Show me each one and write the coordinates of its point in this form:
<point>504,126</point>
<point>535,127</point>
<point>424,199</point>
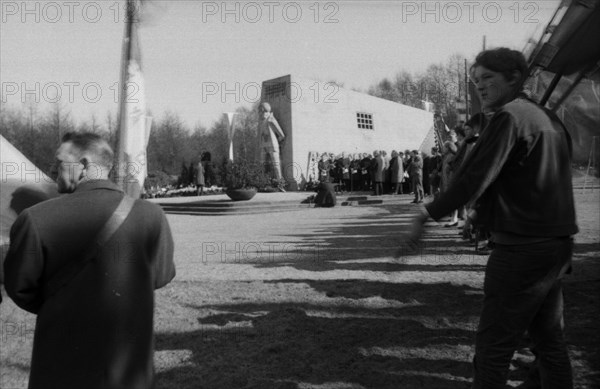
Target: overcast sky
<point>202,58</point>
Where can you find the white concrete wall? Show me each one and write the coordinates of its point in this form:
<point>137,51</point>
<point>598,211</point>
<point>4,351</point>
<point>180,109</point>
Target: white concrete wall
<point>321,117</point>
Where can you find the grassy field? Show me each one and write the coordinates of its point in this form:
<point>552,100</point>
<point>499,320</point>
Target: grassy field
<point>314,299</point>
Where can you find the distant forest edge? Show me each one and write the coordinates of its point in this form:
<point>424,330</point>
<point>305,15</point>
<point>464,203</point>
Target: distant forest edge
<point>36,132</point>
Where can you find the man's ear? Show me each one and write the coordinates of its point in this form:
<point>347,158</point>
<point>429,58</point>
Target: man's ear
<point>515,78</point>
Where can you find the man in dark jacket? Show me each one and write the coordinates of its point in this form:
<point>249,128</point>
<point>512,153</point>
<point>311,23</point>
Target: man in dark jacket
<point>431,170</point>
<point>96,329</point>
<point>415,170</point>
<point>519,171</point>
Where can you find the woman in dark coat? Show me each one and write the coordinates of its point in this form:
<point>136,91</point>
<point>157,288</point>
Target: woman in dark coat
<point>209,174</point>
<point>323,167</point>
<point>365,166</point>
<point>378,177</point>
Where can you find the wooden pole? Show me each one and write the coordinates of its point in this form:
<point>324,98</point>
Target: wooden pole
<point>467,114</point>
<point>120,165</point>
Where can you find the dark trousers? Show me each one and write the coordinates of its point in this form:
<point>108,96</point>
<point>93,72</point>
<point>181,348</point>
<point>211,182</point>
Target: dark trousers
<point>366,184</point>
<point>406,186</point>
<point>426,184</point>
<point>378,188</point>
<point>523,291</point>
<point>417,183</point>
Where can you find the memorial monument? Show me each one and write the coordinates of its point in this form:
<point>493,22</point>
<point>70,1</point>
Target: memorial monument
<point>270,135</point>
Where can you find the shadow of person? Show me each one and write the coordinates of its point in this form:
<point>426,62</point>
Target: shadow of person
<point>29,195</point>
<point>287,348</point>
<point>14,199</point>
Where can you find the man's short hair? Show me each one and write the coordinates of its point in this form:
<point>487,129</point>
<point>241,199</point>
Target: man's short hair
<point>94,144</point>
<point>502,60</point>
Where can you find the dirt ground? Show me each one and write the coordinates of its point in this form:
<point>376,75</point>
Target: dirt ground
<point>313,299</point>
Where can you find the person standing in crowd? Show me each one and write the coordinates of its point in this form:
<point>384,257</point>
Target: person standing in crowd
<point>386,172</point>
<point>520,172</point>
<point>408,189</point>
<point>434,167</point>
<point>416,174</point>
<point>343,165</point>
<point>374,169</point>
<point>402,183</point>
<point>209,172</point>
<point>184,176</point>
<point>365,166</point>
<point>191,173</point>
<point>426,157</point>
<point>312,171</point>
<point>323,167</point>
<point>457,160</point>
<point>397,173</point>
<point>334,176</point>
<point>87,264</point>
<point>378,166</point>
<point>460,128</point>
<point>199,178</point>
<point>473,127</point>
<point>450,150</point>
<point>355,174</point>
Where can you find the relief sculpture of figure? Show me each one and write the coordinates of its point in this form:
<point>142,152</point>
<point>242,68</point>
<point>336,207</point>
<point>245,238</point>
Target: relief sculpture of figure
<point>270,135</point>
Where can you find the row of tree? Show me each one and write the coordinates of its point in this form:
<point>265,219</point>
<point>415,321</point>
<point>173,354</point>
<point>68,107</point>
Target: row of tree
<point>173,144</point>
<point>442,85</point>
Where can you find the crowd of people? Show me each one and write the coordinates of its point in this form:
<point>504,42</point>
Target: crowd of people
<point>87,263</point>
<point>376,172</point>
<point>398,172</point>
<point>408,172</point>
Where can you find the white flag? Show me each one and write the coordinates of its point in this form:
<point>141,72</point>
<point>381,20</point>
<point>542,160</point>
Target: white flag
<point>134,125</point>
<point>229,120</point>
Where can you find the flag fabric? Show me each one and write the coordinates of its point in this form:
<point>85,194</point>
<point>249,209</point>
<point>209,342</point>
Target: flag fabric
<point>134,125</point>
<point>22,184</point>
<point>229,121</point>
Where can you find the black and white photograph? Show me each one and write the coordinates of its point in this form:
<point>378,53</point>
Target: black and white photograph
<point>310,194</point>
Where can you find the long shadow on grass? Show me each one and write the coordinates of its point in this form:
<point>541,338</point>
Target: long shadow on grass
<point>419,345</point>
<point>286,347</point>
<point>379,236</point>
<point>402,346</point>
<point>583,248</point>
<point>372,236</point>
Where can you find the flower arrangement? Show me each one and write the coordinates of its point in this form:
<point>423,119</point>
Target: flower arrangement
<point>244,175</point>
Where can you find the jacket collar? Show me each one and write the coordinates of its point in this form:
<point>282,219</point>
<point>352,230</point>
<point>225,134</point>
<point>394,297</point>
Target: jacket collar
<point>97,184</point>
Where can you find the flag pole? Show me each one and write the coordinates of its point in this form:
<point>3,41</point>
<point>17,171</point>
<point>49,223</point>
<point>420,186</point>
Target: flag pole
<point>467,113</point>
<point>120,168</point>
<point>134,125</point>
